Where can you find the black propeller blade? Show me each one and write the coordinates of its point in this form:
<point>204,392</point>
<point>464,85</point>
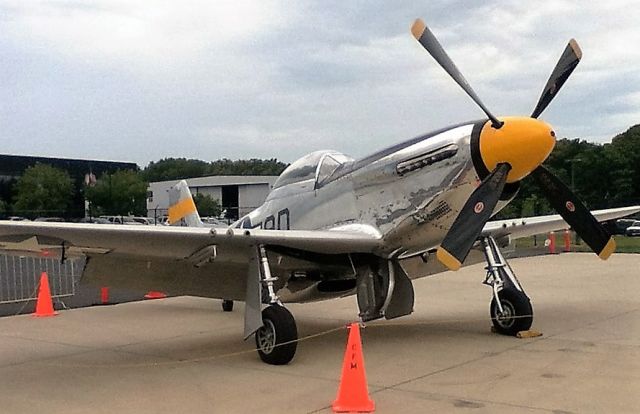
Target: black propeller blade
<point>470,221</point>
<point>422,33</point>
<point>468,226</point>
<point>575,213</point>
<point>566,64</point>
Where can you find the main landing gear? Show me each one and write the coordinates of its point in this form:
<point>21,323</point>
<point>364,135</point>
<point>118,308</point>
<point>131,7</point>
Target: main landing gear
<point>511,310</point>
<point>277,339</point>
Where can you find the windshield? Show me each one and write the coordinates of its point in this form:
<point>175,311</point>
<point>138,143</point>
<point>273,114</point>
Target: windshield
<point>301,170</point>
<point>329,164</point>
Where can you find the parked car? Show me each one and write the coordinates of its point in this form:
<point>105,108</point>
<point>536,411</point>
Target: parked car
<point>121,220</point>
<point>623,224</point>
<point>95,220</point>
<point>634,229</point>
<point>213,222</point>
<point>144,220</point>
<point>17,218</point>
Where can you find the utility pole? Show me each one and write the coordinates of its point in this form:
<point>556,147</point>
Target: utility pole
<point>573,185</point>
<point>573,172</point>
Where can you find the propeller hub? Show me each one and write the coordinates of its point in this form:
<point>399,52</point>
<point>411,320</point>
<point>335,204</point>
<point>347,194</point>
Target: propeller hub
<point>524,143</point>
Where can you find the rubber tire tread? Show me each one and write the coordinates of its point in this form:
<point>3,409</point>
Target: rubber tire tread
<point>522,306</point>
<point>286,331</point>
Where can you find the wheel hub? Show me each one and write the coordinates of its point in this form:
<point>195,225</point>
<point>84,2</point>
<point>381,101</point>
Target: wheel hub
<point>506,318</point>
<point>266,337</point>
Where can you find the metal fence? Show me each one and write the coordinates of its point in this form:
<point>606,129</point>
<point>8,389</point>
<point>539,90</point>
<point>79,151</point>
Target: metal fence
<point>20,276</point>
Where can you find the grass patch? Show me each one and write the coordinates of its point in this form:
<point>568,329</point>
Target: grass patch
<point>624,244</point>
<point>627,244</point>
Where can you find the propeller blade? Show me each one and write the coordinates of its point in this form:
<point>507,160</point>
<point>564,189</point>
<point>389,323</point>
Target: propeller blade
<point>566,64</point>
<point>422,33</point>
<point>575,213</point>
<point>471,220</point>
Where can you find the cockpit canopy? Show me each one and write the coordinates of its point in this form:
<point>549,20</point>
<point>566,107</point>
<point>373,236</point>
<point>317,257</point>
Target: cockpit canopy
<point>318,165</point>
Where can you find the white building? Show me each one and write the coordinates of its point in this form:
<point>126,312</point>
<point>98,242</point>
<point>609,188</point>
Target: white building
<point>238,194</point>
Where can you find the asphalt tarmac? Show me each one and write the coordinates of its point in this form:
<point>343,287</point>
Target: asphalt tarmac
<point>184,355</point>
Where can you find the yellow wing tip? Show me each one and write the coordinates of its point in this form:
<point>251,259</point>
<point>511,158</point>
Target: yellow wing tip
<point>608,250</point>
<point>417,28</point>
<point>448,259</point>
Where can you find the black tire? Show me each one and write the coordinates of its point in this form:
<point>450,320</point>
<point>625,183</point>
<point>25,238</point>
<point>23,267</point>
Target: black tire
<point>227,305</point>
<point>518,313</point>
<point>279,328</point>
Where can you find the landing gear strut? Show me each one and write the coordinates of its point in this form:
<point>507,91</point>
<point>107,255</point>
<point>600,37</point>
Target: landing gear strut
<point>510,309</point>
<point>276,340</point>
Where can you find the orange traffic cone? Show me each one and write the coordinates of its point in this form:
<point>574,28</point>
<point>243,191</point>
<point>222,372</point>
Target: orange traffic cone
<point>104,295</point>
<point>44,305</point>
<point>353,393</point>
<point>154,294</point>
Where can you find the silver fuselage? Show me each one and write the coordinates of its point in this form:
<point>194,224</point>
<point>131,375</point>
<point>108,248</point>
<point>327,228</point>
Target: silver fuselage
<point>408,194</point>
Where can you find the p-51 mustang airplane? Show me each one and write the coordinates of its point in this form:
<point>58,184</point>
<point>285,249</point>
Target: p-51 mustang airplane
<point>334,226</point>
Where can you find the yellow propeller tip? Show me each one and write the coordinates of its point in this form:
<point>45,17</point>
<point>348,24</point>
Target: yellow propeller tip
<point>576,48</point>
<point>609,248</point>
<point>418,28</point>
<point>448,259</point>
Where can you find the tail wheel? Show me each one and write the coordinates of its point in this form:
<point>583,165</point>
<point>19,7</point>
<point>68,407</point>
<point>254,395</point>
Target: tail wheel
<point>227,305</point>
<point>276,339</point>
<point>517,313</point>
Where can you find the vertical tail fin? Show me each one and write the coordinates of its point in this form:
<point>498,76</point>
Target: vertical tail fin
<point>182,209</point>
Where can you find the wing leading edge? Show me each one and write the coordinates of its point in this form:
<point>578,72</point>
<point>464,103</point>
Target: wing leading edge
<point>184,242</point>
<point>528,226</point>
<point>181,242</point>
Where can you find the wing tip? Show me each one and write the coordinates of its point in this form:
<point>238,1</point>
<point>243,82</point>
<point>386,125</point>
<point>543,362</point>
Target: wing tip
<point>417,28</point>
<point>608,249</point>
<point>448,259</point>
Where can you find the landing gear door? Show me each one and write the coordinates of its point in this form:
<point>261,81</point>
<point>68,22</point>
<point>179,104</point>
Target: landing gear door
<point>402,297</point>
<point>384,289</point>
<point>253,301</point>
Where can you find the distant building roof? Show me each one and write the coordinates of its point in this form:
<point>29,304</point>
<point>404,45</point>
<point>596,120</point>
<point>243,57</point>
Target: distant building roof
<point>218,180</point>
<point>14,165</point>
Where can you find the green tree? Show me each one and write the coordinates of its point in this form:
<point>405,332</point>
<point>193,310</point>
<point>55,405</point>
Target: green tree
<point>178,168</point>
<point>623,156</point>
<point>3,207</point>
<point>43,190</point>
<point>174,169</point>
<point>207,206</point>
<point>120,193</point>
<point>253,166</point>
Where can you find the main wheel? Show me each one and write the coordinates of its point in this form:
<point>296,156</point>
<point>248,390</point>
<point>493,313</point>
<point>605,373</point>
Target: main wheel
<point>276,340</point>
<point>227,305</point>
<point>517,312</point>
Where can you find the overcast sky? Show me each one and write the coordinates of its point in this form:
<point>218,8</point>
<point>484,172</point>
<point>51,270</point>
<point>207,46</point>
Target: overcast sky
<point>138,81</point>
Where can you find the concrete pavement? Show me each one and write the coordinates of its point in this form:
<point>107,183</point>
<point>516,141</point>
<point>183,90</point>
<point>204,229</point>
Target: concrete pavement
<point>185,355</point>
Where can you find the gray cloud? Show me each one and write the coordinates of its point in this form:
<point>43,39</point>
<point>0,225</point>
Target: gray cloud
<point>129,80</point>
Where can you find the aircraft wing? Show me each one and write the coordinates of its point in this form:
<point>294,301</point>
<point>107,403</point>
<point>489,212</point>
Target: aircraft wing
<point>528,226</point>
<point>176,242</point>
